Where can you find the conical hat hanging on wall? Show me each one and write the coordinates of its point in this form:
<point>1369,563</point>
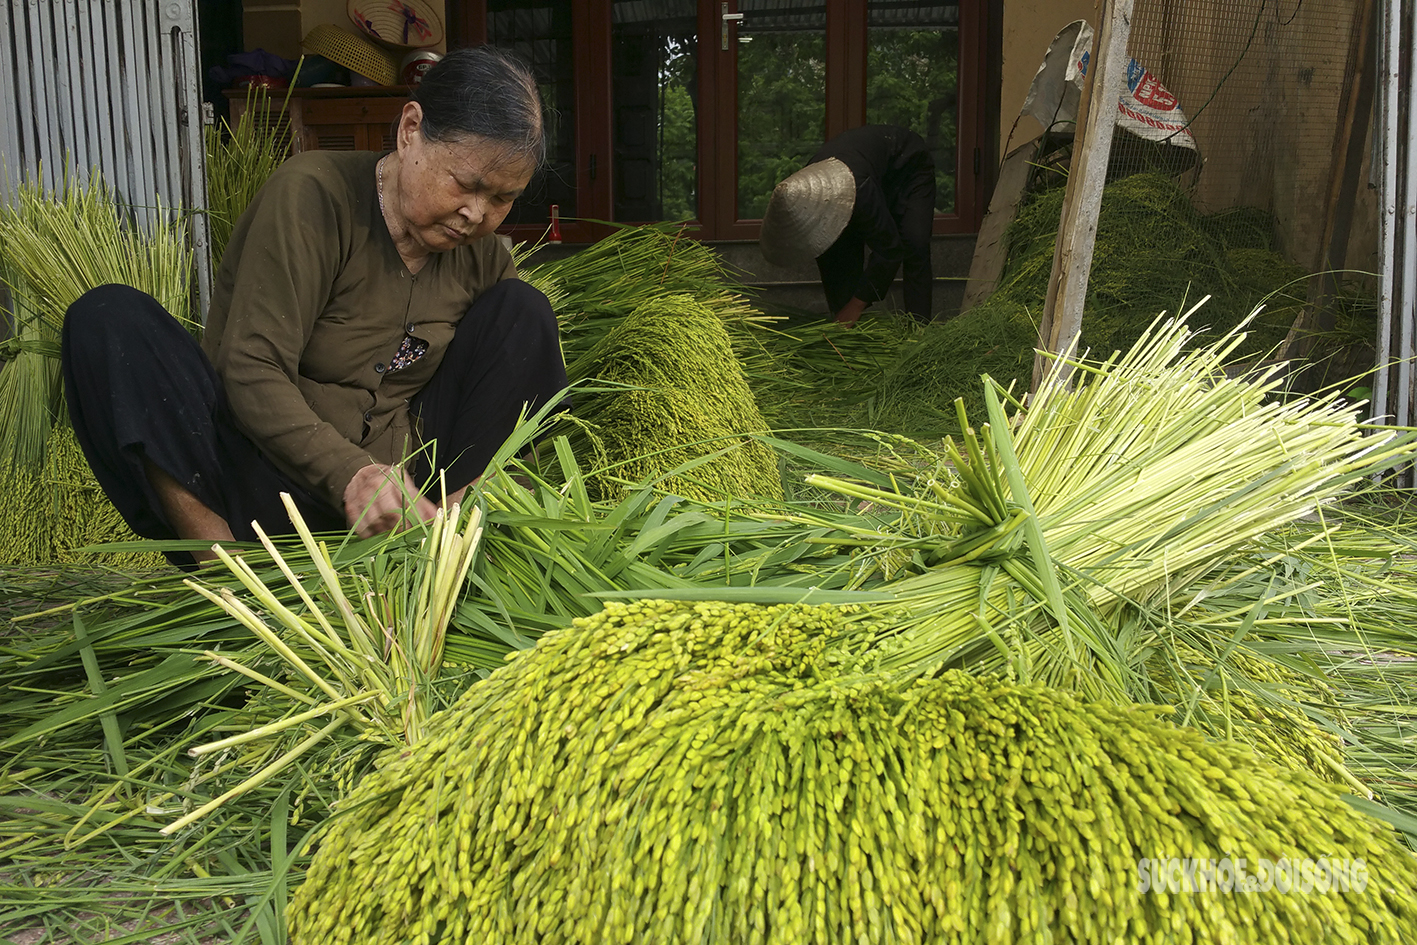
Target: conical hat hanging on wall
<point>402,24</point>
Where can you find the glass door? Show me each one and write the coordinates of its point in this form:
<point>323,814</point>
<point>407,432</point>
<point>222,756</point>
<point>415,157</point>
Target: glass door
<point>654,64</point>
<point>912,80</point>
<point>541,33</point>
<point>795,73</point>
<point>780,47</point>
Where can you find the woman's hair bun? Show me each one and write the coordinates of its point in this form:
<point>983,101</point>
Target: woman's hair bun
<point>483,92</point>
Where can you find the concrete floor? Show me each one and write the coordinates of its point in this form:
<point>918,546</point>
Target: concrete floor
<point>800,288</point>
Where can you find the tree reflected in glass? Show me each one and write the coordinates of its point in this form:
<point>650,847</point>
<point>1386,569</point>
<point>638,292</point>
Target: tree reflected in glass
<point>912,80</point>
<point>782,77</point>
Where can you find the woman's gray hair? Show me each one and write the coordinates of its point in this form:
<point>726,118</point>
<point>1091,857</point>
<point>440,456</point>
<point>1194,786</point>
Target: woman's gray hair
<point>483,92</point>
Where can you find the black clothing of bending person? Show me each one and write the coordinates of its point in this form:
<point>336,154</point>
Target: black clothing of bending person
<point>863,208</point>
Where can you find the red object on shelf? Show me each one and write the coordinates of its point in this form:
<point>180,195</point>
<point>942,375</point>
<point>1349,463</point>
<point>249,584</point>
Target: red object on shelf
<point>415,64</point>
<point>262,82</point>
<point>555,235</point>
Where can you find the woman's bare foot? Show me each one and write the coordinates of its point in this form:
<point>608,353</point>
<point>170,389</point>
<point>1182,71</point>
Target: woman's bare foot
<point>185,512</point>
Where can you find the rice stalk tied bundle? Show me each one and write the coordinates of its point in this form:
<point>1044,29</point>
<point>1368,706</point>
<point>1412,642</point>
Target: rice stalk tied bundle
<point>79,514</point>
<point>1341,597</point>
<point>595,288</point>
<point>1259,701</point>
<point>1152,249</point>
<point>1023,547</point>
<point>737,773</point>
<point>54,247</point>
<point>80,237</point>
<point>818,378</point>
<point>52,512</point>
<point>29,380</point>
<point>680,407</point>
<point>1146,475</point>
<point>371,668</point>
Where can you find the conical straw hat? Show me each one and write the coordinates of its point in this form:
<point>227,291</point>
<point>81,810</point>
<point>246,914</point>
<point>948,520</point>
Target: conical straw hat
<point>807,212</point>
<point>402,24</point>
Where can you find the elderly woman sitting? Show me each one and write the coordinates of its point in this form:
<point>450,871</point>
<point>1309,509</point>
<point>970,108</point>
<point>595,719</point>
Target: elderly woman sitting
<point>366,331</point>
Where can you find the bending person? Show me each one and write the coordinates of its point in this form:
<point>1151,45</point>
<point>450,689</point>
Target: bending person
<point>366,331</point>
<point>870,189</point>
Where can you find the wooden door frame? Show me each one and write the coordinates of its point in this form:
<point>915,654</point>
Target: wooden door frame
<point>980,33</point>
<point>718,148</point>
<point>590,20</point>
<point>595,199</point>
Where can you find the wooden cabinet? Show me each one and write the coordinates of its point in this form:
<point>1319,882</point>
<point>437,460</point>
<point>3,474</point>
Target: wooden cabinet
<point>342,119</point>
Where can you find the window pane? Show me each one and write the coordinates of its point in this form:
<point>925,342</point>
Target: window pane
<point>782,101</point>
<point>654,65</point>
<point>540,32</point>
<point>912,79</point>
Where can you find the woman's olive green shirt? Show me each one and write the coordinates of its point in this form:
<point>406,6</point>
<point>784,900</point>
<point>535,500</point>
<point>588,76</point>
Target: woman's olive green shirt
<point>311,302</point>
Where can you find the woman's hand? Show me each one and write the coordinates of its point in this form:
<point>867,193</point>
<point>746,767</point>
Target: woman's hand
<point>381,498</point>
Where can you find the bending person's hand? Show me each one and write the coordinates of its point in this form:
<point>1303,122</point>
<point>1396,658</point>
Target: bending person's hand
<point>381,498</point>
<point>851,311</point>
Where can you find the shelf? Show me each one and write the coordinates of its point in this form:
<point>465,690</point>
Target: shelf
<point>349,118</point>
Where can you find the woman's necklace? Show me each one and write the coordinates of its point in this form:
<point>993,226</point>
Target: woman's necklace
<point>412,265</point>
<point>379,175</point>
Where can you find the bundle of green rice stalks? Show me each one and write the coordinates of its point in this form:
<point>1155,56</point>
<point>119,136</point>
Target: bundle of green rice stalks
<point>1056,544</point>
<point>1259,702</point>
<point>54,247</point>
<point>49,514</point>
<point>915,393</point>
<point>596,288</point>
<point>23,517</point>
<point>29,379</point>
<point>678,398</point>
<point>826,375</point>
<point>240,158</point>
<point>1153,251</point>
<point>717,773</point>
<point>80,237</point>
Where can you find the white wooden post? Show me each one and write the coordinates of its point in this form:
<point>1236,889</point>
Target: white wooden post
<point>1077,230</point>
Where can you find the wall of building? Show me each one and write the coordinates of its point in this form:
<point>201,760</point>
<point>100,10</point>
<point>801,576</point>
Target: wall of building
<point>1262,86</point>
<point>1029,26</point>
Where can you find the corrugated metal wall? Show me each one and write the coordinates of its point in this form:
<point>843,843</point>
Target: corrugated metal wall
<point>112,85</point>
<point>1395,168</point>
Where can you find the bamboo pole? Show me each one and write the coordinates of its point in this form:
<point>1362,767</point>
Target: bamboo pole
<point>1387,218</point>
<point>1077,230</point>
<point>1408,219</point>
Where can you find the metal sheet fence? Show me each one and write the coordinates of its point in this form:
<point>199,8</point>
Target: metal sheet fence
<point>107,86</point>
<point>1395,166</point>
